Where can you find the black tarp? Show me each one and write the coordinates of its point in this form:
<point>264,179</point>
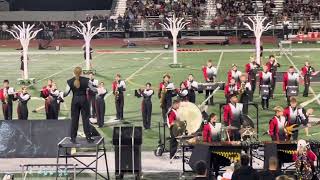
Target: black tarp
<point>31,138</point>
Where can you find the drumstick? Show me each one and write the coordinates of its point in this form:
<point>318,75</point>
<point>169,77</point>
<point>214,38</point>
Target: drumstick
<point>204,102</point>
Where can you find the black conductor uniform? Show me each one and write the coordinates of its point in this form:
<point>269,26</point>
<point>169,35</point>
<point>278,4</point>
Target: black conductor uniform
<point>79,104</point>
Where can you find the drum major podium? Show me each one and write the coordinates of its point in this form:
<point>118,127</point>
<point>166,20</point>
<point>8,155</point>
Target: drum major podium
<point>98,147</point>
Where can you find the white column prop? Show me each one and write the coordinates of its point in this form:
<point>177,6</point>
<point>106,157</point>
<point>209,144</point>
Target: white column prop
<point>88,31</point>
<point>258,28</point>
<point>24,34</point>
<point>174,25</point>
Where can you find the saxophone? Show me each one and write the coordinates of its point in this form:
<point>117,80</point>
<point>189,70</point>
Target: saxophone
<point>163,94</point>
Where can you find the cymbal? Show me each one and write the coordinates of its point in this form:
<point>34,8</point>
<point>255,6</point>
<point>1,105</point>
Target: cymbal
<point>186,136</point>
<point>230,128</point>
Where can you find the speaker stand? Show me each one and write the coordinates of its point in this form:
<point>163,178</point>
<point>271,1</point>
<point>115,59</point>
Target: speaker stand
<point>64,151</point>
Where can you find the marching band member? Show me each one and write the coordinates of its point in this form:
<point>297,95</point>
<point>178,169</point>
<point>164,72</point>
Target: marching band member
<point>232,116</point>
<point>165,94</point>
<point>265,87</point>
<point>56,99</point>
<point>211,131</point>
<point>146,105</point>
<point>90,54</point>
<point>209,73</point>
<point>304,159</point>
<point>252,69</point>
<point>234,73</point>
<point>294,115</point>
<point>118,87</point>
<point>277,124</point>
<point>100,103</point>
<point>7,97</point>
<point>45,93</point>
<point>273,67</point>
<point>230,89</point>
<point>183,92</point>
<point>290,83</point>
<point>192,86</point>
<point>244,92</point>
<point>79,104</point>
<point>306,72</point>
<point>92,96</point>
<point>172,116</point>
<point>23,98</point>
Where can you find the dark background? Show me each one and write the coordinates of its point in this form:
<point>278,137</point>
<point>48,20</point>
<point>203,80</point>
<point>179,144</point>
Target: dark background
<point>59,5</point>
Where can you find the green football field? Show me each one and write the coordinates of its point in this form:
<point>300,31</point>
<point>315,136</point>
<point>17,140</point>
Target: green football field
<point>148,64</point>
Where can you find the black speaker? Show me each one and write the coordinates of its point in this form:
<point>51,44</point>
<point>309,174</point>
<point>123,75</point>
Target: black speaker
<point>270,150</point>
<point>126,158</point>
<point>199,152</point>
<point>126,135</point>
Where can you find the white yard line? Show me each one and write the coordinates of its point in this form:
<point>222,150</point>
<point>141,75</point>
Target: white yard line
<point>219,62</point>
<point>295,67</point>
<point>8,53</point>
<point>59,72</point>
<point>137,71</point>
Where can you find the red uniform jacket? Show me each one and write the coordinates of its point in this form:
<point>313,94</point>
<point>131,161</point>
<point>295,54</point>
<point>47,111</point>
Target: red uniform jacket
<point>206,133</point>
<point>248,68</point>
<point>205,73</point>
<point>45,92</point>
<point>274,128</point>
<point>232,114</point>
<point>2,97</point>
<point>230,76</point>
<point>171,117</point>
<point>289,116</point>
<point>227,89</point>
<point>285,81</point>
<point>311,156</point>
<point>304,70</point>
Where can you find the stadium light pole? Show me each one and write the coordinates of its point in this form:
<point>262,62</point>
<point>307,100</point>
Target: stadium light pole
<point>174,25</point>
<point>24,34</point>
<point>88,32</point>
<point>258,28</point>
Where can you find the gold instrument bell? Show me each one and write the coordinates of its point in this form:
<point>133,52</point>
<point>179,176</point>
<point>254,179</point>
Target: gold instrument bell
<point>189,119</point>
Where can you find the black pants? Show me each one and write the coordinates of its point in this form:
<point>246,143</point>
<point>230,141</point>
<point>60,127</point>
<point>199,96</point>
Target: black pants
<point>79,105</point>
<point>265,102</point>
<point>92,102</point>
<point>173,144</point>
<point>22,111</point>
<point>7,111</point>
<point>119,106</point>
<point>294,135</point>
<point>146,113</point>
<point>273,86</point>
<point>100,110</point>
<point>244,99</point>
<point>253,88</point>
<point>234,135</point>
<point>306,86</point>
<point>165,108</point>
<point>54,109</point>
<point>208,93</point>
<point>192,96</point>
<point>285,33</point>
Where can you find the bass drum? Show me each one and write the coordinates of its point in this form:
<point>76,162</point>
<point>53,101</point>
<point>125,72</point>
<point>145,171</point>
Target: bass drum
<point>191,115</point>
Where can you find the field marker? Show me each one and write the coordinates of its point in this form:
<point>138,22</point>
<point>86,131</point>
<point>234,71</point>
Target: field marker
<point>295,67</point>
<point>137,71</point>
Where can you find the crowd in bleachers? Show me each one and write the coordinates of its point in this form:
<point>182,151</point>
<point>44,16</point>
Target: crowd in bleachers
<point>305,8</point>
